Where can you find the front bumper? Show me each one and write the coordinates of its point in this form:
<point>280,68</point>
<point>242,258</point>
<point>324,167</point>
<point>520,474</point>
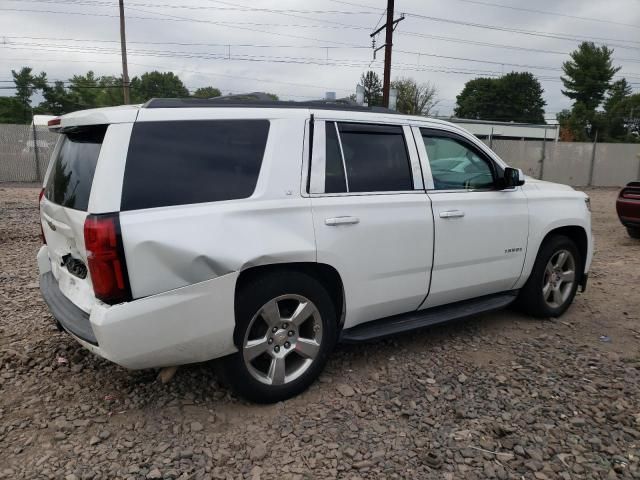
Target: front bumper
<point>186,325</point>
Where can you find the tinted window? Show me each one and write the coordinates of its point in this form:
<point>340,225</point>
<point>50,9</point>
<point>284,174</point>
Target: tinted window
<point>71,176</point>
<point>177,163</point>
<point>454,165</point>
<point>375,157</point>
<point>334,181</point>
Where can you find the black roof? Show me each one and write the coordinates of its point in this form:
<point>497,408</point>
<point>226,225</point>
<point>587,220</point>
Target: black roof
<point>240,101</point>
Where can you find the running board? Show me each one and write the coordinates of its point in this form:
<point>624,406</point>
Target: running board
<point>406,322</point>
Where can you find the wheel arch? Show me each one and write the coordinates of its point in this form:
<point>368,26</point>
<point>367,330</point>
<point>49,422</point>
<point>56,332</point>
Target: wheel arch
<point>578,235</point>
<point>323,272</point>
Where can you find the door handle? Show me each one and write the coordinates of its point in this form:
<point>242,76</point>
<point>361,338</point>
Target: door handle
<point>452,214</point>
<point>332,222</point>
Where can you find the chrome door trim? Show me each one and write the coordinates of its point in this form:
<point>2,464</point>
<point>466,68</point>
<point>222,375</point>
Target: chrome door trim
<point>423,157</point>
<point>344,164</point>
<point>414,158</point>
<point>318,160</point>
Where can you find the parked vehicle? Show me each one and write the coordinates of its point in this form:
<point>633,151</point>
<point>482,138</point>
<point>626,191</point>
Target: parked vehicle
<point>262,234</point>
<point>628,208</point>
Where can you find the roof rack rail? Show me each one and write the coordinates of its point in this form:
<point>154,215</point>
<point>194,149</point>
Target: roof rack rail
<point>256,100</point>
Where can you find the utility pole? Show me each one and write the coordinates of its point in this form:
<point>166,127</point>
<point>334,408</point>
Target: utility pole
<point>123,49</point>
<point>389,27</point>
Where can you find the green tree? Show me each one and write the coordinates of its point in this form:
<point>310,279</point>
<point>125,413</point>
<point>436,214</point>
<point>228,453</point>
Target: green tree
<point>110,92</point>
<point>157,85</point>
<point>414,98</point>
<point>57,100</point>
<point>372,88</point>
<point>619,90</point>
<point>26,85</point>
<point>11,110</point>
<point>207,92</point>
<point>85,90</point>
<point>624,119</point>
<point>514,97</point>
<point>588,74</point>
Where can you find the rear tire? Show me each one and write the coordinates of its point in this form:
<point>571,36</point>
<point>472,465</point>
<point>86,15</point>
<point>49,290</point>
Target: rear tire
<point>633,232</point>
<point>286,326</point>
<point>554,280</point>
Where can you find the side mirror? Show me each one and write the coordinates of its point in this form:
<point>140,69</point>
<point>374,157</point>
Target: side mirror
<point>513,177</point>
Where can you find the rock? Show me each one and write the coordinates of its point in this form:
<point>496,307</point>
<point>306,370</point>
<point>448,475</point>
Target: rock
<point>154,473</point>
<point>196,427</point>
<point>462,378</point>
<point>258,452</point>
<point>534,453</point>
<point>345,390</point>
<point>94,440</point>
<point>578,422</point>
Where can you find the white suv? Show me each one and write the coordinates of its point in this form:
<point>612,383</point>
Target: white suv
<point>186,230</point>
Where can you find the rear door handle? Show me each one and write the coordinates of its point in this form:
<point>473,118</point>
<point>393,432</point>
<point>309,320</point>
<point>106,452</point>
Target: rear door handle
<point>452,214</point>
<point>332,222</point>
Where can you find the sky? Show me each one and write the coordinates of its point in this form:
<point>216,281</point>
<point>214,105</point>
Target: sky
<point>301,50</point>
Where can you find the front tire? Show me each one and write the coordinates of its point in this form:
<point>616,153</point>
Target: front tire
<point>554,280</point>
<point>286,326</point>
<point>633,232</point>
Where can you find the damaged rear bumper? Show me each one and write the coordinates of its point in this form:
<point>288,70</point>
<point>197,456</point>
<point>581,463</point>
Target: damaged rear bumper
<point>186,325</point>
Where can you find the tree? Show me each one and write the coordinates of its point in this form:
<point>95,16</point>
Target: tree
<point>372,88</point>
<point>514,97</point>
<point>157,85</point>
<point>26,84</point>
<point>57,100</point>
<point>619,90</point>
<point>207,92</point>
<point>414,98</point>
<point>11,110</point>
<point>588,74</point>
<point>624,119</point>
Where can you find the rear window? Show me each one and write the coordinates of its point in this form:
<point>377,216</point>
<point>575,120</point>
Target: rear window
<point>178,163</point>
<point>71,176</point>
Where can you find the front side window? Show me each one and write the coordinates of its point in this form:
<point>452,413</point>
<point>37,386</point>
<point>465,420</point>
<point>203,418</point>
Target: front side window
<point>455,165</point>
<point>374,157</point>
<point>184,162</point>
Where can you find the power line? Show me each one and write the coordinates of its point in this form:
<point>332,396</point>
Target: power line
<point>545,12</point>
<point>240,8</point>
<point>206,55</point>
<point>555,35</point>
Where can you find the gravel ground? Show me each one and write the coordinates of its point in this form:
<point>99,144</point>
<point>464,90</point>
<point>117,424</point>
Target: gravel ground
<point>500,396</point>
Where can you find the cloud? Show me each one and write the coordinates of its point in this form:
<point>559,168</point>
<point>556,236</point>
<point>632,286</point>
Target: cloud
<point>302,55</point>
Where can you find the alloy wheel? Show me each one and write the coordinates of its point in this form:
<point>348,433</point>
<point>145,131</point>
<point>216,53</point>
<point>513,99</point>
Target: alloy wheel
<point>559,278</point>
<point>282,340</point>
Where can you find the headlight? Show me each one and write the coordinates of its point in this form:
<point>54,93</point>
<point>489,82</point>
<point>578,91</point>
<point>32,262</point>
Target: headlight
<point>587,202</point>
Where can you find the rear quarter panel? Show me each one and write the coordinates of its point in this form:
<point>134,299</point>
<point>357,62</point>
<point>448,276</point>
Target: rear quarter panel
<point>171,247</point>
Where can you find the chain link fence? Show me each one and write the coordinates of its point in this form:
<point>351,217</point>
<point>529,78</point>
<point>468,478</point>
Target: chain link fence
<point>24,152</point>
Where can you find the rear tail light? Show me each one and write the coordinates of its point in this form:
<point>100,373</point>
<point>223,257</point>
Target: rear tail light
<point>630,194</point>
<point>105,258</point>
<point>54,123</point>
<point>44,240</point>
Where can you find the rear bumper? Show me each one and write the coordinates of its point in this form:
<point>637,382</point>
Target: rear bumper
<point>70,317</point>
<point>185,325</point>
<point>630,222</point>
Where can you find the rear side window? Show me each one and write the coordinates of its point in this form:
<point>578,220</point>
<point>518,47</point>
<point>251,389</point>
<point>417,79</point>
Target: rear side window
<point>183,162</point>
<point>375,157</point>
<point>71,177</point>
